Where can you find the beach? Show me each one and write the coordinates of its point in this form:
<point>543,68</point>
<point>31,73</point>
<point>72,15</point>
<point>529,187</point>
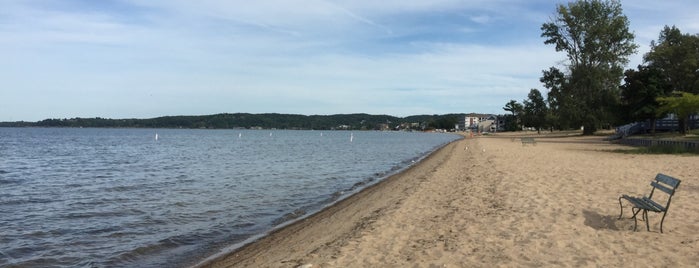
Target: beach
<point>492,201</point>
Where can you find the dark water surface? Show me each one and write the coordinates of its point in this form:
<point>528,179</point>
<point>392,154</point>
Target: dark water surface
<point>121,198</point>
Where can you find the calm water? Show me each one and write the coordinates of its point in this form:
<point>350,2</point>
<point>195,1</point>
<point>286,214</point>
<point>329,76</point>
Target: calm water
<point>119,197</point>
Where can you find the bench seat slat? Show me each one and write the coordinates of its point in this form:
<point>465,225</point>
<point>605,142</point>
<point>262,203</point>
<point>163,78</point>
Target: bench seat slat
<point>644,203</point>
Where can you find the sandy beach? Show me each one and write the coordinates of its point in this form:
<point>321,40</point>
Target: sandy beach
<point>490,201</point>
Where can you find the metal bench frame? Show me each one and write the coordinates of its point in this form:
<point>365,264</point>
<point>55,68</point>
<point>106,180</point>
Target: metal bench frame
<point>528,140</point>
<point>662,182</point>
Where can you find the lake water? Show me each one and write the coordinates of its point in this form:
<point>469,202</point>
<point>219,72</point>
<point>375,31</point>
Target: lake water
<point>122,198</point>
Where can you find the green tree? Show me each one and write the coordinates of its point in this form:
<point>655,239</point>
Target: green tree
<point>639,94</point>
<point>516,109</point>
<point>683,105</point>
<point>596,38</point>
<point>535,110</point>
<point>562,106</point>
<point>677,56</point>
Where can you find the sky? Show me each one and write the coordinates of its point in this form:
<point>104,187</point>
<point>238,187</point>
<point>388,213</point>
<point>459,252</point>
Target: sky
<point>150,58</point>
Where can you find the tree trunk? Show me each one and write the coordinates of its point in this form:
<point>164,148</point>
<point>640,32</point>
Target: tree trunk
<point>682,124</point>
<point>589,129</point>
<point>652,126</point>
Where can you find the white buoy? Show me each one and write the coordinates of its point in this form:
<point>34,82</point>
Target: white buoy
<point>321,134</point>
<point>240,135</point>
<point>156,136</point>
<point>270,134</point>
<point>351,137</point>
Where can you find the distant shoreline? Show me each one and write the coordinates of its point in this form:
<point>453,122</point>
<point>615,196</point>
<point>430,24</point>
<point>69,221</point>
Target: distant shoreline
<point>260,121</point>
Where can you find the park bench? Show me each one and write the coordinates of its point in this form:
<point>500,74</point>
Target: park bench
<point>528,140</point>
<point>664,184</point>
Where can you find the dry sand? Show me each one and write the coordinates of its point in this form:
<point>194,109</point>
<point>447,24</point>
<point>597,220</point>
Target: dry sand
<point>490,201</point>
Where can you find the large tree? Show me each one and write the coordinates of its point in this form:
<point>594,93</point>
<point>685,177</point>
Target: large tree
<point>596,38</point>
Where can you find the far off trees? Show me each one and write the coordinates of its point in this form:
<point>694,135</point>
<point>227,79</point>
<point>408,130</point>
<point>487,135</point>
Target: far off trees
<point>595,36</point>
<point>533,113</point>
<point>535,110</point>
<point>516,109</point>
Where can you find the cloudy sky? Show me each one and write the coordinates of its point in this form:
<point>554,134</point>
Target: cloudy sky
<point>149,58</point>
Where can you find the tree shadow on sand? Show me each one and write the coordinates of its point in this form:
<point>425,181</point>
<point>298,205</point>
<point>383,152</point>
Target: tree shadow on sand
<point>600,222</point>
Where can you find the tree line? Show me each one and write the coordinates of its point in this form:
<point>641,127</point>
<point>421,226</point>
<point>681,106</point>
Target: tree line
<point>588,91</point>
<point>264,121</point>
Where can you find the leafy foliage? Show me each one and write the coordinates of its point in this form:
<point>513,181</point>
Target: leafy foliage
<point>516,109</point>
<point>535,110</point>
<point>596,38</point>
<point>639,94</point>
<point>677,56</point>
<point>683,105</point>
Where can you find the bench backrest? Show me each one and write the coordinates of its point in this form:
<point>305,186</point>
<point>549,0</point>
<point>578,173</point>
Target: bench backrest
<point>665,184</point>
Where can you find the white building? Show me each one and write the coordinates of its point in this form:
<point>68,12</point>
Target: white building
<point>473,121</point>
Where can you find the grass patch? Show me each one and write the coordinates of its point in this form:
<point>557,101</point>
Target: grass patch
<point>692,135</point>
<point>659,149</point>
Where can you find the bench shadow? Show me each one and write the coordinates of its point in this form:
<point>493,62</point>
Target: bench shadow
<point>600,222</point>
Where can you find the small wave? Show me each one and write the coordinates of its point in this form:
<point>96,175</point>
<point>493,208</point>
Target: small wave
<point>154,253</point>
<point>289,216</point>
<point>22,201</point>
<point>10,181</point>
<point>97,214</point>
<point>110,229</point>
<point>122,188</point>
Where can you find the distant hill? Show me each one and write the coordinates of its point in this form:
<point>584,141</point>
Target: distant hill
<point>261,121</point>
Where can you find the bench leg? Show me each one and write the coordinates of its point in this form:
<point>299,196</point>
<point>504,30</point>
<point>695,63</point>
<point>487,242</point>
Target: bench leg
<point>635,212</point>
<point>661,221</point>
<point>621,208</point>
<point>645,218</point>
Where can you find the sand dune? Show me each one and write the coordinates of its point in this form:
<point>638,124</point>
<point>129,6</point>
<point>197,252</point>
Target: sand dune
<point>489,201</point>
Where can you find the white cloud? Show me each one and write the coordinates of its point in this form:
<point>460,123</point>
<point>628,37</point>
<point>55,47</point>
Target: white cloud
<point>160,57</point>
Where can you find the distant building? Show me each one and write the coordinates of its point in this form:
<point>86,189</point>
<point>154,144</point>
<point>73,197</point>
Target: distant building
<point>472,121</point>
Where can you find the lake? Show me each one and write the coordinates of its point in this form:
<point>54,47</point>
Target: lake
<point>168,197</point>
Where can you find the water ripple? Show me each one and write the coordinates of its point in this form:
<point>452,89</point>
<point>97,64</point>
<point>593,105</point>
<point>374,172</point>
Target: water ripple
<point>118,197</point>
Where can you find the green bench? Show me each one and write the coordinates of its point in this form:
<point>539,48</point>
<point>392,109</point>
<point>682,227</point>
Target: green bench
<point>528,140</point>
<point>663,183</point>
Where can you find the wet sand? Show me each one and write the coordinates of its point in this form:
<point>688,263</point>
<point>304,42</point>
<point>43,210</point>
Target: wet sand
<point>491,201</point>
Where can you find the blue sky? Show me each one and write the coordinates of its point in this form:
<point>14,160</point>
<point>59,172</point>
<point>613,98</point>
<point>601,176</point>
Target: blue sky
<point>149,58</point>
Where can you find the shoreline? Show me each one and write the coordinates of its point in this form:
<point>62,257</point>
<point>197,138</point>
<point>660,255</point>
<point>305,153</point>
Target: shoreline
<point>250,246</point>
<point>491,201</point>
<point>242,245</point>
